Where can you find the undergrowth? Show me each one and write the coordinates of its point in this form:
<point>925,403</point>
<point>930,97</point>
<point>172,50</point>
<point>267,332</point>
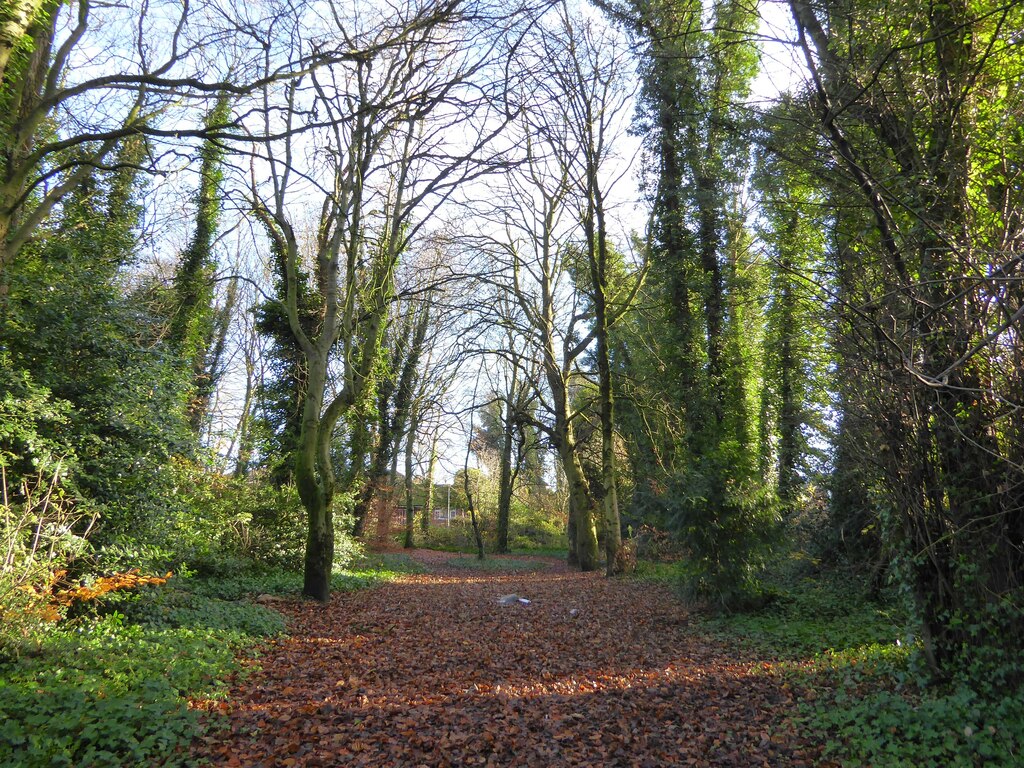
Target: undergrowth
<point>861,681</point>
<point>103,690</point>
<point>115,682</point>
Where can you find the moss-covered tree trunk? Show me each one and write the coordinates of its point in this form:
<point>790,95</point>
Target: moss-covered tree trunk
<point>314,479</point>
<point>582,506</point>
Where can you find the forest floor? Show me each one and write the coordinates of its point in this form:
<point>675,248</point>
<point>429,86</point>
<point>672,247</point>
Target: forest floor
<point>431,670</point>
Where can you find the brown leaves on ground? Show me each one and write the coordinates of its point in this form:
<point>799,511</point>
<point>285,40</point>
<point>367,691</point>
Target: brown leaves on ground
<point>432,671</point>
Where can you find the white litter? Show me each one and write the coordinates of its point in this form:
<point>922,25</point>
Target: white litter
<point>512,600</point>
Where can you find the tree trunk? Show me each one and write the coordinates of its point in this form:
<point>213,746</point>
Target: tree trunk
<point>410,509</point>
<point>581,514</point>
<point>474,519</point>
<point>315,482</point>
<point>27,33</point>
<point>19,17</point>
<point>377,479</point>
<point>428,502</point>
<point>597,240</point>
<point>243,433</point>
<point>505,477</point>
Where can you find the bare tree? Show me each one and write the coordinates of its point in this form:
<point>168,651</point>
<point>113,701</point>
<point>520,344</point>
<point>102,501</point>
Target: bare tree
<point>550,238</point>
<point>387,159</point>
<point>77,79</point>
<point>529,244</point>
<point>588,76</point>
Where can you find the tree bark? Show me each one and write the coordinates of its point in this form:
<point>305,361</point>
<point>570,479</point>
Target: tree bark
<point>505,476</point>
<point>314,480</point>
<point>428,503</point>
<point>410,508</point>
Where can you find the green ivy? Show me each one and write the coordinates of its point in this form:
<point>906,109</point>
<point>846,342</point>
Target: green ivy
<point>104,693</point>
<point>957,728</point>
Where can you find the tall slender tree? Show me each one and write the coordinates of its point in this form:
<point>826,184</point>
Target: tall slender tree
<point>192,330</point>
<point>698,65</point>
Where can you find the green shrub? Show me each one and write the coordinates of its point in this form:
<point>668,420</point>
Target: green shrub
<point>726,529</point>
<point>127,554</point>
<point>230,520</point>
<point>457,537</point>
<point>532,527</point>
<point>232,523</point>
<point>26,616</point>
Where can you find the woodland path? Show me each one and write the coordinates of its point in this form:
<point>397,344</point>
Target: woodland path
<point>432,671</point>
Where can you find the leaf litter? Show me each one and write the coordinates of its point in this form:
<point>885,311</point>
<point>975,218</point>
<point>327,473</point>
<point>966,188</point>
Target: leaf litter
<point>432,670</point>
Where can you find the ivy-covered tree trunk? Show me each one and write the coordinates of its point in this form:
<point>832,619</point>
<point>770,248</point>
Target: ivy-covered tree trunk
<point>395,404</point>
<point>377,479</point>
<point>410,507</point>
<point>929,113</point>
<point>18,19</point>
<point>505,475</point>
<point>26,39</point>
<point>192,327</point>
<point>699,64</point>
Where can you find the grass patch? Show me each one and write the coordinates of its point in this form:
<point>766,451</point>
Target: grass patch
<point>368,571</point>
<point>388,563</point>
<point>497,564</point>
<point>657,573</point>
<point>814,616</point>
<point>560,552</point>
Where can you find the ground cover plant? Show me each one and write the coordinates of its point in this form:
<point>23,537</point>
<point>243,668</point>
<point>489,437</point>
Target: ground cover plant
<point>867,695</point>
